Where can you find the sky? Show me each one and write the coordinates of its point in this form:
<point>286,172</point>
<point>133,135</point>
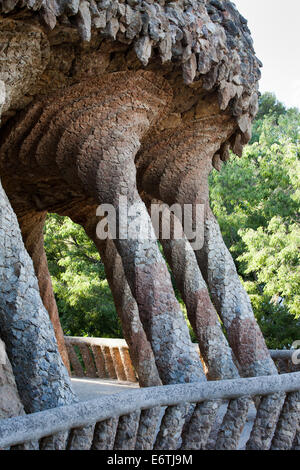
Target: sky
<point>275,28</point>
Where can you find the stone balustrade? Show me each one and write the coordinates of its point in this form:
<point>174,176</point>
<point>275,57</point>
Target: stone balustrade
<point>100,357</point>
<point>109,358</point>
<point>109,416</point>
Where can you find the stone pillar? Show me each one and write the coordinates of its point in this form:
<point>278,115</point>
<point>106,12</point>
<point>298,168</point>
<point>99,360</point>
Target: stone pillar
<point>140,349</point>
<point>41,377</point>
<point>10,403</point>
<point>141,352</point>
<point>288,423</point>
<point>233,303</point>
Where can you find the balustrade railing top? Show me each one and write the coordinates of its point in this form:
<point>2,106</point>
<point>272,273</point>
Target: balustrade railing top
<point>34,427</point>
<point>100,357</point>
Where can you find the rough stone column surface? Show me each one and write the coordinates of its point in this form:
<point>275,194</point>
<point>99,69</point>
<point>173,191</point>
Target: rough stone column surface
<point>10,403</point>
<point>213,345</point>
<point>140,349</point>
<point>171,426</point>
<point>104,435</point>
<point>41,377</point>
<point>162,130</point>
<point>296,443</point>
<point>32,232</point>
<point>141,352</point>
<point>196,434</point>
<point>288,423</point>
<point>127,432</point>
<point>233,304</point>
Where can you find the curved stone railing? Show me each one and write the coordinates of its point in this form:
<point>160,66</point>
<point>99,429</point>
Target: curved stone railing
<point>109,417</point>
<point>100,357</point>
<point>110,358</point>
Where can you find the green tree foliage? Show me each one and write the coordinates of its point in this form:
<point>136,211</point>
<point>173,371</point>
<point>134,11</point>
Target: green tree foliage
<point>256,200</point>
<point>82,293</point>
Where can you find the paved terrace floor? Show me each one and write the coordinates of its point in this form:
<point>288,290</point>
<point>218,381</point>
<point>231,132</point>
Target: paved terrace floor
<point>88,389</point>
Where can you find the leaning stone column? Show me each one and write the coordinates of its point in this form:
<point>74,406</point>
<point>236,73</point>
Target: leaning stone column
<point>181,177</point>
<point>203,317</point>
<point>132,104</point>
<point>233,303</point>
<point>244,335</point>
<point>140,349</point>
<point>32,232</point>
<point>288,423</point>
<point>213,345</point>
<point>40,375</point>
<point>296,443</point>
<point>10,402</point>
